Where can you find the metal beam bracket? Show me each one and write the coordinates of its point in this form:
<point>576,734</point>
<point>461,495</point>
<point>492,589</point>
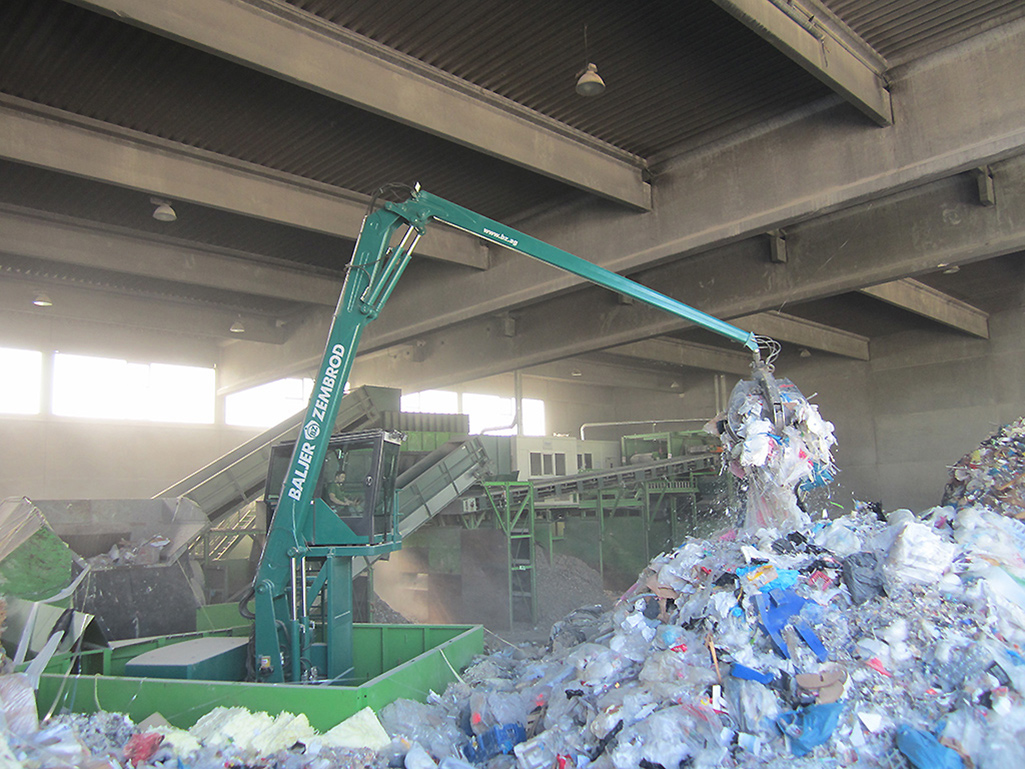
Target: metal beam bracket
<point>987,189</point>
<point>777,246</point>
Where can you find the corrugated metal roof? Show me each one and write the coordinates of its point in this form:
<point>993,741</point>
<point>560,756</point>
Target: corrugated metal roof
<point>675,71</point>
<point>72,59</point>
<point>902,30</point>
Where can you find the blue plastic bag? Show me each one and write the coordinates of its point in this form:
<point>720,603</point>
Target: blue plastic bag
<point>809,727</point>
<point>924,751</point>
<point>497,739</point>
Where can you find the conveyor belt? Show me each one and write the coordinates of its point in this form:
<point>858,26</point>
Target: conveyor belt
<point>627,475</point>
<point>433,483</point>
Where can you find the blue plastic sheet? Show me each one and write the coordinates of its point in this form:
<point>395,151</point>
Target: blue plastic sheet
<point>750,674</point>
<point>775,610</point>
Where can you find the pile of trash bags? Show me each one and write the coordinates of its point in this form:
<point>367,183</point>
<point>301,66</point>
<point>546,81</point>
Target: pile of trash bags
<point>853,642</point>
<point>993,474</point>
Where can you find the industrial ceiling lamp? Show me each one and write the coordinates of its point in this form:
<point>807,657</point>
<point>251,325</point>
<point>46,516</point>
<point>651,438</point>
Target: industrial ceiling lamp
<point>42,300</point>
<point>238,327</point>
<point>163,212</point>
<point>589,82</point>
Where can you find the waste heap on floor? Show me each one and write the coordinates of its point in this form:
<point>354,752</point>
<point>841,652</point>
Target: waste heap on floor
<point>856,642</point>
<point>993,474</point>
<point>853,642</point>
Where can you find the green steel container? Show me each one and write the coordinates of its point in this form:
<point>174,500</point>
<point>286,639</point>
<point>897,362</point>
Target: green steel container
<point>392,662</point>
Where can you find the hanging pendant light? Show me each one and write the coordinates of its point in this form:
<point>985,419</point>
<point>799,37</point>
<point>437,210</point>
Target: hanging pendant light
<point>163,212</point>
<point>589,82</point>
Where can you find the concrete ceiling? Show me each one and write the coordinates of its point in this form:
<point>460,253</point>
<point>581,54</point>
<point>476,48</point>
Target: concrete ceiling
<point>812,170</point>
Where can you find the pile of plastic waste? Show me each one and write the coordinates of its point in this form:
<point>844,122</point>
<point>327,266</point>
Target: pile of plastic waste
<point>893,643</point>
<point>775,455</point>
<point>225,737</point>
<point>127,553</point>
<point>854,642</point>
<point>993,474</point>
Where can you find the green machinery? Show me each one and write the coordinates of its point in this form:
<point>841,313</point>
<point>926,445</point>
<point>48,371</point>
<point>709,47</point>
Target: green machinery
<point>668,444</point>
<point>302,588</point>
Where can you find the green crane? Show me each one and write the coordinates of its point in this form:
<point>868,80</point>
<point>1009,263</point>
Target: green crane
<point>307,559</point>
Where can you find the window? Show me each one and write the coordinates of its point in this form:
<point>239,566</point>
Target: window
<point>533,417</point>
<point>431,402</point>
<point>268,404</point>
<point>110,388</point>
<point>542,463</point>
<point>21,381</point>
<point>488,412</point>
<point>535,463</point>
<point>585,462</point>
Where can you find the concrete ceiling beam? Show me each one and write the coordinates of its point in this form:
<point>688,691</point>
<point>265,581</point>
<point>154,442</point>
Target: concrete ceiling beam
<point>275,37</point>
<point>606,373</point>
<point>836,254</point>
<point>777,176</point>
<point>68,241</point>
<point>914,296</point>
<point>843,252</point>
<point>72,304</point>
<point>689,354</point>
<point>822,46</point>
<point>806,333</point>
<point>68,143</point>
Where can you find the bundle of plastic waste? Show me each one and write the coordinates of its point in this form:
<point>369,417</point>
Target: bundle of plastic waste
<point>776,454</point>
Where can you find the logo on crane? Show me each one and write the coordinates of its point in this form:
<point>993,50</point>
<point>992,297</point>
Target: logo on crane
<point>320,404</point>
<point>501,237</point>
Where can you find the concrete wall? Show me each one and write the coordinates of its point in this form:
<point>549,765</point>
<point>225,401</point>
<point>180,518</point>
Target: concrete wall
<point>926,398</point>
<point>52,458</point>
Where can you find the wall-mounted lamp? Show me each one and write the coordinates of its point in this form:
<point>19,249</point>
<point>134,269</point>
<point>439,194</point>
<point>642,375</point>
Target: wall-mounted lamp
<point>238,327</point>
<point>805,352</point>
<point>163,212</point>
<point>42,300</point>
<point>589,82</point>
<point>576,372</point>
